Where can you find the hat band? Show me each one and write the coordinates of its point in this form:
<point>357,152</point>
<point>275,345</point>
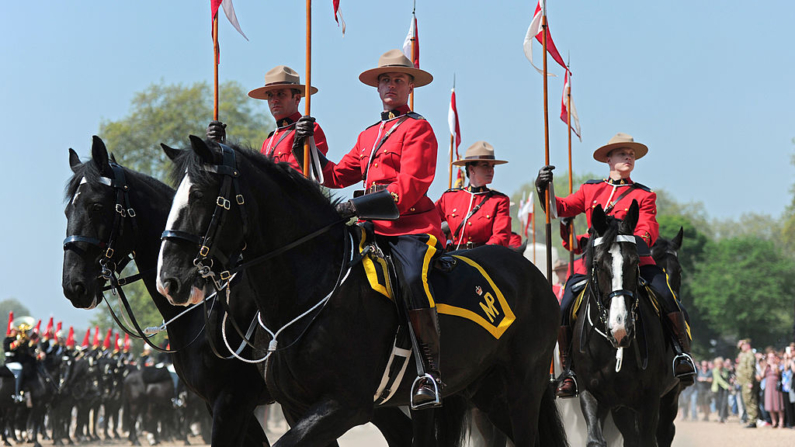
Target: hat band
<point>479,157</point>
<point>282,83</point>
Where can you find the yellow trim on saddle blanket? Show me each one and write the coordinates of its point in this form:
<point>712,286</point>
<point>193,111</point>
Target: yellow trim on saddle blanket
<point>371,270</point>
<point>489,306</point>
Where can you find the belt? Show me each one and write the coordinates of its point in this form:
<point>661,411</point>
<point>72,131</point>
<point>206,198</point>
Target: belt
<point>372,189</point>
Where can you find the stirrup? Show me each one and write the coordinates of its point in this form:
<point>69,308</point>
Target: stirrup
<point>685,356</point>
<point>437,402</point>
<point>563,376</point>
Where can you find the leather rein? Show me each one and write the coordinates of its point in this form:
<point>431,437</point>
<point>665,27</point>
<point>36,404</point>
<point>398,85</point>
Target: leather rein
<point>111,266</point>
<point>231,263</point>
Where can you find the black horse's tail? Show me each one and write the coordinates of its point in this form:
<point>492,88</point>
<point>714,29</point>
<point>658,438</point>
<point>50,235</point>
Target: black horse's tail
<point>551,432</point>
<point>452,421</point>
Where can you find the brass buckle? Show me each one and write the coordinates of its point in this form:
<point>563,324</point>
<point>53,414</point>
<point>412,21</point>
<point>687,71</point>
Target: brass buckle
<point>223,202</point>
<point>204,251</point>
<point>239,199</point>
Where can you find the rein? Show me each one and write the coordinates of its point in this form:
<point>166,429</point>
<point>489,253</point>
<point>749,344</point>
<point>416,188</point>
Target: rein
<point>109,267</point>
<point>207,252</point>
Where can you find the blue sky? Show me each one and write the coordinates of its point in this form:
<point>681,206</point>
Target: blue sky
<point>706,85</point>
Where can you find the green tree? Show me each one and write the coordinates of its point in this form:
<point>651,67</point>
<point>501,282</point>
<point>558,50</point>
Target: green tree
<point>13,305</point>
<point>170,113</point>
<point>743,289</point>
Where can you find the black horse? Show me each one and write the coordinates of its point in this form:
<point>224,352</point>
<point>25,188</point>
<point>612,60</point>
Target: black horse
<point>621,352</point>
<point>326,367</point>
<point>232,389</point>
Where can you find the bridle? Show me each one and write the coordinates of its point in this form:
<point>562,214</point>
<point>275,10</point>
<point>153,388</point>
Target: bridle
<point>599,298</point>
<point>109,264</point>
<point>231,263</point>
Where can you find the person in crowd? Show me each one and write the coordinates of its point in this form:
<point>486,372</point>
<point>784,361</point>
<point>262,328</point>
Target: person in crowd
<point>774,398</point>
<point>561,270</point>
<point>747,379</point>
<point>704,385</point>
<point>788,387</point>
<point>720,388</point>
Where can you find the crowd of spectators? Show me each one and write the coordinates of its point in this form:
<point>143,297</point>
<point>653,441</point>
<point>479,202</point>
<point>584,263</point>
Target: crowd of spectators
<point>756,388</point>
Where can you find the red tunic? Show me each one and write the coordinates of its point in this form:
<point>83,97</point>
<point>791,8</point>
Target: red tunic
<point>516,240</point>
<point>490,224</point>
<point>602,192</point>
<point>405,162</point>
<point>279,144</point>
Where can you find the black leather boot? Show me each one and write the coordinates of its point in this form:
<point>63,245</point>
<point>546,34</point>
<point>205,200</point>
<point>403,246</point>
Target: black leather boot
<point>684,368</point>
<point>426,390</point>
<point>567,382</point>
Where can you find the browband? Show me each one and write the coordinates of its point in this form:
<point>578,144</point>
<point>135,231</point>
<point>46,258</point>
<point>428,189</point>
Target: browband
<point>619,238</point>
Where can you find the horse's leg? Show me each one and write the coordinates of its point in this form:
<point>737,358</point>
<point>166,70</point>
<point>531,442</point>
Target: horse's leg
<point>648,420</point>
<point>668,409</point>
<point>233,422</point>
<point>626,421</point>
<point>594,415</point>
<point>394,425</point>
<point>322,423</point>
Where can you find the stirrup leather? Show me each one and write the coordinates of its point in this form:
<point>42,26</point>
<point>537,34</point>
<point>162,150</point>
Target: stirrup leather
<point>415,387</point>
<point>685,356</point>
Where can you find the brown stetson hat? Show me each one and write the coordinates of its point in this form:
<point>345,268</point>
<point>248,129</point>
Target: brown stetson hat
<point>560,265</point>
<point>280,76</point>
<point>394,61</point>
<point>480,151</point>
<point>620,140</point>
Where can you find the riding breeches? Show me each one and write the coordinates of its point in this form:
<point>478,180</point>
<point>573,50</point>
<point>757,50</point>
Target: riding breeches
<point>653,274</point>
<point>413,255</point>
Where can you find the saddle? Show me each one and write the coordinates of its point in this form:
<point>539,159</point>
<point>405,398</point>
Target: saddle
<point>462,287</point>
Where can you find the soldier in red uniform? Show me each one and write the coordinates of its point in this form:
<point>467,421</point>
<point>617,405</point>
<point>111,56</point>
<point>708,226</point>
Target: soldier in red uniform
<point>615,194</point>
<point>476,214</point>
<point>283,91</point>
<point>398,155</point>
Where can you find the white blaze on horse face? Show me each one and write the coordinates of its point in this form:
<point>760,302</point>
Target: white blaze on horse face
<point>180,203</point>
<point>618,309</point>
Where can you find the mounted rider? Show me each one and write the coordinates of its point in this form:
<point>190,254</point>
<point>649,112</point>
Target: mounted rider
<point>283,91</point>
<point>615,194</point>
<point>20,351</point>
<point>476,214</point>
<point>397,156</point>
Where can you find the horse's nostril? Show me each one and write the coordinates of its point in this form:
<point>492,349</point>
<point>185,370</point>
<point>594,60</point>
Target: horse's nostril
<point>80,289</point>
<point>172,286</point>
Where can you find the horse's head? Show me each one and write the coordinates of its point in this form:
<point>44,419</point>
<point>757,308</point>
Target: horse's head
<point>203,230</point>
<point>95,222</point>
<point>666,255</point>
<point>613,265</point>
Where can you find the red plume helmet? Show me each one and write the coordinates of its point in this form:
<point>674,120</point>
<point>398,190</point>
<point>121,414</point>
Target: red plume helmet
<point>10,320</point>
<point>70,339</point>
<point>86,338</point>
<point>95,344</point>
<point>48,333</point>
<point>106,342</point>
<point>38,327</point>
<point>116,347</point>
<point>127,342</point>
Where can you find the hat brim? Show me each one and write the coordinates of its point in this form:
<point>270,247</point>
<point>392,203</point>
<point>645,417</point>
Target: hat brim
<point>262,92</point>
<point>421,77</point>
<point>464,161</point>
<point>601,154</point>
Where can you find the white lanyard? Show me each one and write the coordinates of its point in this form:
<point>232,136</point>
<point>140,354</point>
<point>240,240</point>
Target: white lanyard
<point>376,145</point>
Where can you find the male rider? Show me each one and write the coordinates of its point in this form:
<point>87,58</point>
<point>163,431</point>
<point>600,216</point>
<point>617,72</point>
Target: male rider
<point>283,91</point>
<point>615,194</point>
<point>398,154</point>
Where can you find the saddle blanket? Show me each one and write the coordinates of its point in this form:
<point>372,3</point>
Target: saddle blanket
<point>462,289</point>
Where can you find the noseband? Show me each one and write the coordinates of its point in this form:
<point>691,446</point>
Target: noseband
<point>595,293</point>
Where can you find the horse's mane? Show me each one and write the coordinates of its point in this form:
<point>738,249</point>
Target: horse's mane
<point>282,173</point>
<point>91,172</point>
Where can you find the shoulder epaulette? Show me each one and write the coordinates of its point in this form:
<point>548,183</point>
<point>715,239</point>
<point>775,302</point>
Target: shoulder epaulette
<point>415,115</point>
<point>497,193</point>
<point>271,134</point>
<point>593,181</point>
<point>643,187</point>
<point>374,124</point>
<point>454,190</point>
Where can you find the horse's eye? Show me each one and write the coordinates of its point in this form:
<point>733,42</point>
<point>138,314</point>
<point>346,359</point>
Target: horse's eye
<point>196,195</point>
<point>96,207</point>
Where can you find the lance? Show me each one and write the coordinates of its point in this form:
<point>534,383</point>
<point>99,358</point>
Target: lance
<point>308,87</point>
<point>571,175</point>
<point>548,223</point>
<point>534,230</point>
<point>215,67</point>
<point>414,51</point>
<point>452,139</point>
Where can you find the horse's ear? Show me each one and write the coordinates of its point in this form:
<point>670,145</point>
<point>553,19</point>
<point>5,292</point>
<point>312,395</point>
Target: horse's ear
<point>171,153</point>
<point>599,220</point>
<point>631,219</point>
<point>99,154</point>
<point>74,160</point>
<point>113,157</point>
<point>677,241</point>
<point>202,150</point>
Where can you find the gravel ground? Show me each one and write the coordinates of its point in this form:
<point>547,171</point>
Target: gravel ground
<point>689,434</point>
